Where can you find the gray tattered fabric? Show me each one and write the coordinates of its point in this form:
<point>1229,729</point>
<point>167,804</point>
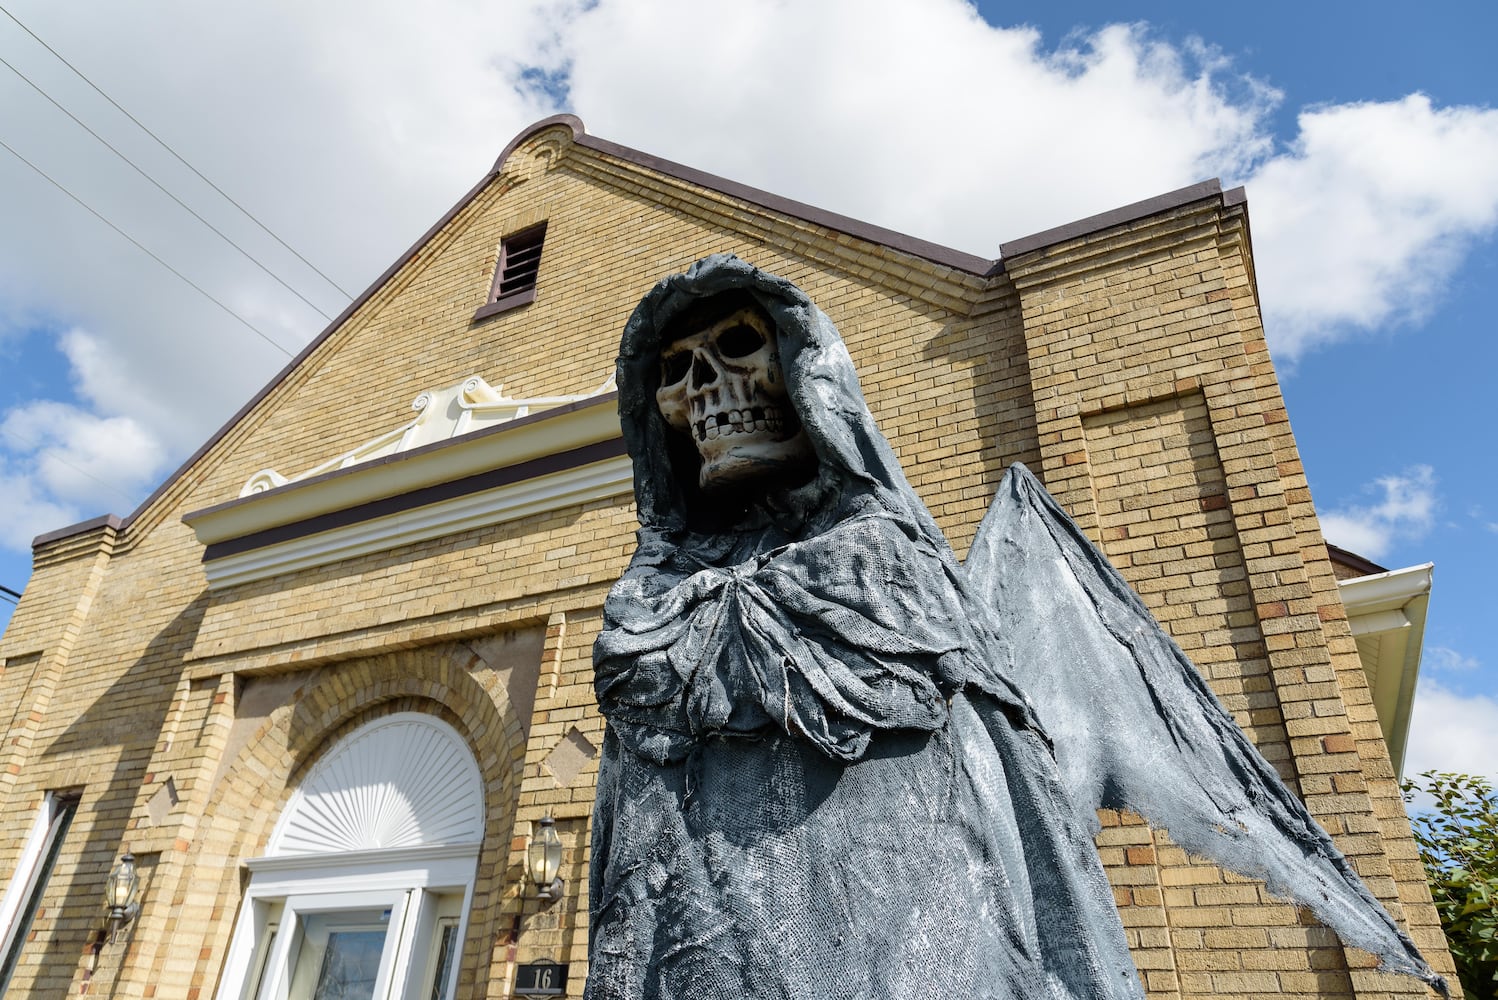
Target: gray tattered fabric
<point>824,776</point>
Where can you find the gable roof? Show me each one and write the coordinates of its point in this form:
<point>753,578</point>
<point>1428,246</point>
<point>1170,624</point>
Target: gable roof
<point>878,235</point>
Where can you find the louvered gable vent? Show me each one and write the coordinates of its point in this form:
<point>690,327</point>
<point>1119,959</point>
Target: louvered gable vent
<point>515,276</point>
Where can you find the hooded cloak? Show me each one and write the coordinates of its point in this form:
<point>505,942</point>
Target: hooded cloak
<point>819,778</point>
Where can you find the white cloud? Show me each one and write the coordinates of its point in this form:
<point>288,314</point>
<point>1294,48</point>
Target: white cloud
<point>74,455</point>
<point>27,513</point>
<point>923,118</point>
<point>350,127</point>
<point>916,116</point>
<point>103,380</point>
<point>1405,509</point>
<point>61,462</point>
<point>1452,732</point>
<point>1446,658</point>
<point>1363,222</point>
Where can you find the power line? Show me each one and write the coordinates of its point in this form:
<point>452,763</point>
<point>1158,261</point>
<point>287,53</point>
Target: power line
<point>13,596</point>
<point>163,144</point>
<point>139,246</point>
<point>59,459</point>
<point>185,207</point>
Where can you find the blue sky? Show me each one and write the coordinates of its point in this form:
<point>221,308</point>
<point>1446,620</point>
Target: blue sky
<point>1364,134</point>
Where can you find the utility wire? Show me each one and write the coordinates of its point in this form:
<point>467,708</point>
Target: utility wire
<point>163,144</point>
<point>12,596</point>
<point>136,167</point>
<point>125,494</point>
<point>139,246</point>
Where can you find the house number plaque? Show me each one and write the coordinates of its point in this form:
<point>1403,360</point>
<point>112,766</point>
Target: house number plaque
<point>541,979</point>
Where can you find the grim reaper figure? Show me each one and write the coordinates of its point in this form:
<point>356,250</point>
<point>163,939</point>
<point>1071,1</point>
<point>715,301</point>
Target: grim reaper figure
<point>839,763</point>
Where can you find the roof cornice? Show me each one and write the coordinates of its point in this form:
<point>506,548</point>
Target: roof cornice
<point>957,260</point>
<point>1114,217</point>
<point>945,256</point>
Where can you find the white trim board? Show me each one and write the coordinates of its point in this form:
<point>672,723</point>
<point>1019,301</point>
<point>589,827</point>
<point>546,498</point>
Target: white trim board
<point>583,484</point>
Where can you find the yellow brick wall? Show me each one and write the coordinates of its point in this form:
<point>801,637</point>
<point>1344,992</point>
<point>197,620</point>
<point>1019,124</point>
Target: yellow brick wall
<point>1163,430</point>
<point>1126,367</point>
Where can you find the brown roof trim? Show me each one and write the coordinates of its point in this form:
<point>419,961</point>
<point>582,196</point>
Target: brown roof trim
<point>915,247</point>
<point>327,331</point>
<point>436,493</point>
<point>1232,198</point>
<point>901,242</point>
<point>571,121</point>
<point>315,343</point>
<point>1117,217</point>
<point>1353,561</point>
<point>81,528</point>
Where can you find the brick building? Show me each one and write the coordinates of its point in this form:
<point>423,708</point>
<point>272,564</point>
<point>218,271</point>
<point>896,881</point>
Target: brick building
<point>330,676</point>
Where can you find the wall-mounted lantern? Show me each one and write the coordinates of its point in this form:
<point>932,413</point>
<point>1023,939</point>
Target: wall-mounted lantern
<point>543,858</point>
<point>119,893</point>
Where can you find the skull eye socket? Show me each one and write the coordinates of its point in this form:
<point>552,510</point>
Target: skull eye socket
<point>674,367</point>
<point>740,341</point>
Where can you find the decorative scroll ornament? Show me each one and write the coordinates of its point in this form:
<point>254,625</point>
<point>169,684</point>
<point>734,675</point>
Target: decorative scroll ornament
<point>471,405</point>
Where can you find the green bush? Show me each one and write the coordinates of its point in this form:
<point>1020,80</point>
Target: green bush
<point>1458,842</point>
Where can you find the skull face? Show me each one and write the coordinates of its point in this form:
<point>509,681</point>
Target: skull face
<point>723,387</point>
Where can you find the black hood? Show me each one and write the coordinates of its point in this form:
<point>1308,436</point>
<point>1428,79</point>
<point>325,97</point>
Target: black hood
<point>853,457</point>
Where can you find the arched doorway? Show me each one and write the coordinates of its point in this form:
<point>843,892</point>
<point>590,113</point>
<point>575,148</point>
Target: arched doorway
<point>364,890</point>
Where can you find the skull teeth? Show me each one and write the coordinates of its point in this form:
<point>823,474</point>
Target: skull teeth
<point>754,420</point>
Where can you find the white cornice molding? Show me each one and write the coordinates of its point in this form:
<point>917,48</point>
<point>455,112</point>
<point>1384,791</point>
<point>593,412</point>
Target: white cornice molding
<point>597,481</point>
<point>377,503</point>
<point>512,443</point>
<point>470,405</point>
<point>569,423</point>
<point>394,858</point>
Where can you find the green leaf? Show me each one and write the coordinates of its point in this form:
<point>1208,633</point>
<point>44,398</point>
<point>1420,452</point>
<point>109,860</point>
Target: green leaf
<point>1458,844</point>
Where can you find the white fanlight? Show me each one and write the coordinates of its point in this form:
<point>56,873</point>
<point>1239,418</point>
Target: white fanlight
<point>368,875</point>
<point>406,780</point>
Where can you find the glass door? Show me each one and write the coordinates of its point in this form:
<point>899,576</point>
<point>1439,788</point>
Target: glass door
<point>339,957</point>
<point>335,946</point>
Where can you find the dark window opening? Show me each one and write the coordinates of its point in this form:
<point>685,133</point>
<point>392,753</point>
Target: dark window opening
<point>60,808</point>
<point>515,275</point>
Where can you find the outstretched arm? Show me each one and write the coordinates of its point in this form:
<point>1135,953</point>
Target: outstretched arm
<point>1135,727</point>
